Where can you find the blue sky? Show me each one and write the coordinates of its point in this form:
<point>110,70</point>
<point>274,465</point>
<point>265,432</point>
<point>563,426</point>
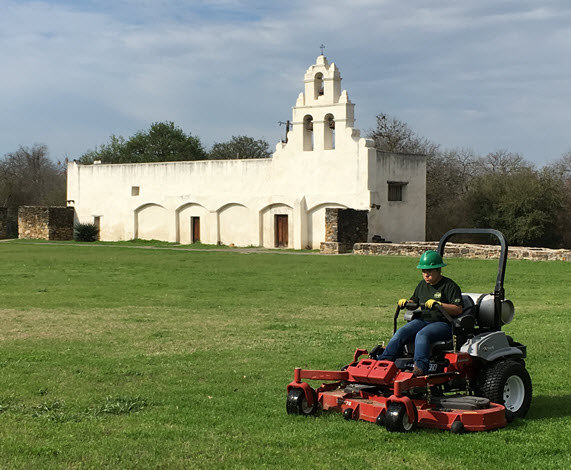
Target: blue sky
<point>483,74</point>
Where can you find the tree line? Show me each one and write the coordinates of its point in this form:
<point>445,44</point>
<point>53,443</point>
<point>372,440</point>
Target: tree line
<point>165,142</point>
<point>501,190</point>
<point>29,177</point>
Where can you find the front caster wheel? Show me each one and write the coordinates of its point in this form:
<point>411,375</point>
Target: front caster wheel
<point>396,419</point>
<point>457,427</point>
<point>297,404</point>
<point>348,414</point>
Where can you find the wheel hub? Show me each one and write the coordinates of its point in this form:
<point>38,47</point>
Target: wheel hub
<point>514,393</point>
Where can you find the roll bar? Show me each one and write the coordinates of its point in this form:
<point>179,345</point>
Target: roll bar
<point>499,292</point>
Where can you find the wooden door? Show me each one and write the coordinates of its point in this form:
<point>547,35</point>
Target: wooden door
<point>281,231</point>
<point>195,229</point>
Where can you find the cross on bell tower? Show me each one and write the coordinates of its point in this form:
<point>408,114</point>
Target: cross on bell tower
<point>322,47</point>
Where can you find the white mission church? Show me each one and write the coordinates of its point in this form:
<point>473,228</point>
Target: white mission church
<point>271,202</point>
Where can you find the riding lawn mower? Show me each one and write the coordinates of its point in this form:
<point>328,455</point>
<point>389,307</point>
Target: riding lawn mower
<point>477,381</point>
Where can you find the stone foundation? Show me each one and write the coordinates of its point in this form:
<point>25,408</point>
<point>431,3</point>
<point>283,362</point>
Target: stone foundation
<point>335,248</point>
<point>461,250</point>
<point>47,223</point>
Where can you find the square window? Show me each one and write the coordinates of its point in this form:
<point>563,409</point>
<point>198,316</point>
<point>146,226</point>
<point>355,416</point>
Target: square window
<point>134,190</point>
<point>396,190</point>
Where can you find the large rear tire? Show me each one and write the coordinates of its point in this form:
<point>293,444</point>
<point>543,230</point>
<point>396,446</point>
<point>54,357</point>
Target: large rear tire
<point>507,383</point>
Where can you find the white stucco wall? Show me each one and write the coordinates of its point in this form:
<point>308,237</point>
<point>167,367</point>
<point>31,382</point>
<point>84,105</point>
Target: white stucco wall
<point>325,163</point>
<point>404,220</point>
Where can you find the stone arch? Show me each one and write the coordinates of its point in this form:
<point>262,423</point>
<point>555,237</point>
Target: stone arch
<point>268,221</point>
<point>237,225</point>
<point>329,132</point>
<point>316,222</point>
<point>151,222</point>
<point>308,132</point>
<point>184,223</point>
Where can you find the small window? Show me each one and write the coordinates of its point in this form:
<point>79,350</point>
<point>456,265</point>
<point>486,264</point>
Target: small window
<point>134,190</point>
<point>396,190</point>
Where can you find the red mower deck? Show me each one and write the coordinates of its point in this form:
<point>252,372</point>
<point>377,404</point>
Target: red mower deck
<point>376,391</point>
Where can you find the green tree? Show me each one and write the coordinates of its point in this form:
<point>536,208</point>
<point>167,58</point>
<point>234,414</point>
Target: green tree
<point>240,147</point>
<point>163,142</point>
<point>522,202</point>
<point>562,171</point>
<point>29,177</point>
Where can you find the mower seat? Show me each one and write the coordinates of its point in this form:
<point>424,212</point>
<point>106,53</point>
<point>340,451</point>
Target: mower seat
<point>464,325</point>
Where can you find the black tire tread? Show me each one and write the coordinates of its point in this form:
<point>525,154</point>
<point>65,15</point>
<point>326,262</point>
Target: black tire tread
<point>295,399</point>
<point>492,380</point>
<point>394,417</point>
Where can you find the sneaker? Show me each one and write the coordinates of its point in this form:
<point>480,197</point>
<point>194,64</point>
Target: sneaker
<point>417,371</point>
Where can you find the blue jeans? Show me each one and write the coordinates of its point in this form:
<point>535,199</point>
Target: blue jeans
<point>424,333</point>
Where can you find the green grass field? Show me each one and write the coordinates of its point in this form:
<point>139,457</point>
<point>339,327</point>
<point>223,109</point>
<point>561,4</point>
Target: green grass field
<point>112,357</point>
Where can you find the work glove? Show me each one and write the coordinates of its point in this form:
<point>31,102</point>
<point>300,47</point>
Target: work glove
<point>431,303</point>
<point>402,303</point>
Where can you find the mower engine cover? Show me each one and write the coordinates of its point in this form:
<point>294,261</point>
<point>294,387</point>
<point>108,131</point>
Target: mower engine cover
<point>490,346</point>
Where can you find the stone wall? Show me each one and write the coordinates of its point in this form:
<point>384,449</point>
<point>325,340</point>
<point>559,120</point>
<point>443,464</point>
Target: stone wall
<point>47,223</point>
<point>461,250</point>
<point>344,228</point>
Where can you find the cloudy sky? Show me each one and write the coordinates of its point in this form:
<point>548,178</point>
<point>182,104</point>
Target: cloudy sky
<point>480,74</point>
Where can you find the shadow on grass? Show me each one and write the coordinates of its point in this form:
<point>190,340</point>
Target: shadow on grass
<point>544,406</point>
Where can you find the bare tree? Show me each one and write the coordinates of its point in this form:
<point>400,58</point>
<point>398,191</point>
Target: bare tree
<point>502,161</point>
<point>393,135</point>
<point>29,177</point>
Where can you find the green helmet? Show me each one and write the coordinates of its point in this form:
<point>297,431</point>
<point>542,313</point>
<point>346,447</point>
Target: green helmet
<point>430,260</point>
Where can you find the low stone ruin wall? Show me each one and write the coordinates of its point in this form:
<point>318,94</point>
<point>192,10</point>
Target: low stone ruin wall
<point>461,250</point>
<point>47,223</point>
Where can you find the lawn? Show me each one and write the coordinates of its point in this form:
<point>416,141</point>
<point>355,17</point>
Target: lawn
<point>114,357</point>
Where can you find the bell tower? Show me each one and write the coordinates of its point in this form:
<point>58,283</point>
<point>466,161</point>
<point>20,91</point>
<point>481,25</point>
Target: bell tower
<point>322,112</point>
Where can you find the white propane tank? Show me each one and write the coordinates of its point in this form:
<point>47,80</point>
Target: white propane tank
<point>486,310</point>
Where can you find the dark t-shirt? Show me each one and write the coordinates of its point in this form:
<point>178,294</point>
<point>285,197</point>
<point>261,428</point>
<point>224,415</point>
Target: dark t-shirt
<point>445,291</point>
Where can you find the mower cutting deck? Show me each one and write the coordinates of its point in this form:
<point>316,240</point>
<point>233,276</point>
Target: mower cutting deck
<point>378,392</point>
<point>479,381</point>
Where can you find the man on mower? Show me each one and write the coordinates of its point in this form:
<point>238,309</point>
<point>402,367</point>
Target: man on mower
<point>431,325</point>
